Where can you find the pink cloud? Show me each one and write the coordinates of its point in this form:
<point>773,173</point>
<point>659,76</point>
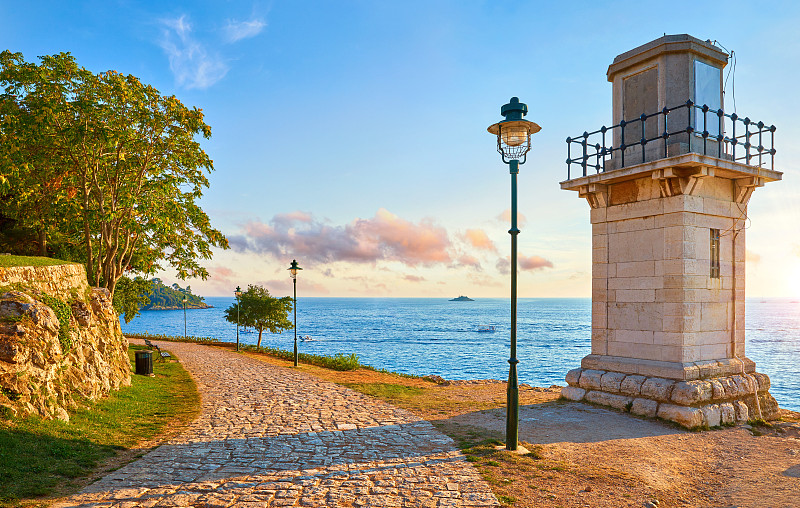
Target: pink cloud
<point>220,273</point>
<point>505,216</point>
<point>533,262</point>
<point>503,265</point>
<point>383,237</point>
<point>480,240</point>
<point>221,279</point>
<point>291,218</point>
<point>414,278</point>
<point>470,261</point>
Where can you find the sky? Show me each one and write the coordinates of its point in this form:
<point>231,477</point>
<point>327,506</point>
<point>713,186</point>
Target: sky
<point>351,135</point>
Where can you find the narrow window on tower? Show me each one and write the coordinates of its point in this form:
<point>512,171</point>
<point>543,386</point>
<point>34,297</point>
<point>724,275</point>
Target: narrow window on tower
<point>715,253</point>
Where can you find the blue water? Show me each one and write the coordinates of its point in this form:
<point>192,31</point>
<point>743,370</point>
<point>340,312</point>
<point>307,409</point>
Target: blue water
<point>435,336</point>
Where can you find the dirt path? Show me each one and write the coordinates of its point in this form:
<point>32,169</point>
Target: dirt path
<point>624,460</point>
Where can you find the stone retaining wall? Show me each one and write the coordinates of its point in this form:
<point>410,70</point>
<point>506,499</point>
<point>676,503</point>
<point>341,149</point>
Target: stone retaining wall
<point>50,365</point>
<point>52,280</point>
<point>698,403</point>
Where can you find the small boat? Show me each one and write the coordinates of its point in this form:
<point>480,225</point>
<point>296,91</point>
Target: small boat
<point>307,338</point>
<point>462,298</point>
<point>486,329</point>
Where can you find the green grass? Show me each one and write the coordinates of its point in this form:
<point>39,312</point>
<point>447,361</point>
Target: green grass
<point>506,500</point>
<point>385,391</point>
<point>8,261</point>
<point>172,338</point>
<point>44,458</point>
<point>337,362</point>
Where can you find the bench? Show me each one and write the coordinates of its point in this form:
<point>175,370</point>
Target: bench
<point>163,354</point>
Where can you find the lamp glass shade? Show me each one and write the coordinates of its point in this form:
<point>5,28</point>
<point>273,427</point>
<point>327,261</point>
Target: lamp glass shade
<point>514,135</point>
<point>293,271</point>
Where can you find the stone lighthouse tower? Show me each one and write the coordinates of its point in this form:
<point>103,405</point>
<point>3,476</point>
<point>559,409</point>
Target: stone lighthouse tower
<point>668,185</point>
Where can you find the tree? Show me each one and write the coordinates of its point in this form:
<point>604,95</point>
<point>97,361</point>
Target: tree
<point>131,295</point>
<point>259,310</point>
<point>110,163</point>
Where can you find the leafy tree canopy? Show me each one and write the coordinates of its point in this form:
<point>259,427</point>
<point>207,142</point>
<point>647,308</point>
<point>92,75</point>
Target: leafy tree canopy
<point>131,295</point>
<point>259,310</point>
<point>104,169</point>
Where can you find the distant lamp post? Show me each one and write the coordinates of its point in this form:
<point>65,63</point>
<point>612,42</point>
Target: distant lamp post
<point>184,317</point>
<point>513,143</point>
<point>293,269</point>
<point>238,294</point>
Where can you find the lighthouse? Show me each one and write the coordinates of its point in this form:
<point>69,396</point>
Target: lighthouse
<point>668,184</point>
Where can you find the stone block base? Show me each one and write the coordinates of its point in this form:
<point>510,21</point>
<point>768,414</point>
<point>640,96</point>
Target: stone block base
<point>696,403</point>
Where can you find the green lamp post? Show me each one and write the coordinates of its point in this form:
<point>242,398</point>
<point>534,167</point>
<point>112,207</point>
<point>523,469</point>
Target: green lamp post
<point>293,269</point>
<point>513,143</point>
<point>184,317</point>
<point>238,294</point>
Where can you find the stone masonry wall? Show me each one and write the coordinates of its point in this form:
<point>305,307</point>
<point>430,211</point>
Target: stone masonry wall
<point>699,403</point>
<point>652,296</point>
<point>50,364</point>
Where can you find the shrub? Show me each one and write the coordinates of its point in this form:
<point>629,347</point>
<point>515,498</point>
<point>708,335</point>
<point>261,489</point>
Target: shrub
<point>63,313</point>
<point>172,338</point>
<point>336,362</point>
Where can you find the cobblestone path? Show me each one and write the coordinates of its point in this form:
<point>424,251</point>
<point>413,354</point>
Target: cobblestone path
<point>271,436</point>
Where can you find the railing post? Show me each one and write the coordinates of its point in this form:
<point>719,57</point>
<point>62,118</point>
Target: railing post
<point>597,155</point>
<point>747,139</point>
<point>569,157</point>
<point>772,148</point>
<point>585,135</point>
<point>760,142</point>
<point>665,135</point>
<point>705,128</point>
<point>643,141</point>
<point>603,130</point>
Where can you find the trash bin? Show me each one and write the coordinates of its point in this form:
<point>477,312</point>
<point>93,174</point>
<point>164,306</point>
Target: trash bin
<point>144,362</point>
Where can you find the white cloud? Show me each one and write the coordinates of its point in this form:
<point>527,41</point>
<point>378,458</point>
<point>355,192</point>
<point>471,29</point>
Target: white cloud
<point>190,62</point>
<point>238,30</point>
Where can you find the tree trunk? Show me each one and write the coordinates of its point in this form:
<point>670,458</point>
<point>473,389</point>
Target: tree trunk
<point>42,242</point>
<point>259,337</point>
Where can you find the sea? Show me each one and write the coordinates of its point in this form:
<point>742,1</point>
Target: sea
<point>436,336</point>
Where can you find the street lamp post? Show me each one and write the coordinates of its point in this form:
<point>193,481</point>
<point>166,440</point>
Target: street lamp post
<point>293,270</point>
<point>184,317</point>
<point>513,142</point>
<point>238,294</point>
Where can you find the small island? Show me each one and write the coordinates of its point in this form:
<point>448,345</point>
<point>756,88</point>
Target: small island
<point>462,298</point>
<point>165,297</point>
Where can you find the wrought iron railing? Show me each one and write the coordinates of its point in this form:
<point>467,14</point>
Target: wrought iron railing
<point>596,151</point>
